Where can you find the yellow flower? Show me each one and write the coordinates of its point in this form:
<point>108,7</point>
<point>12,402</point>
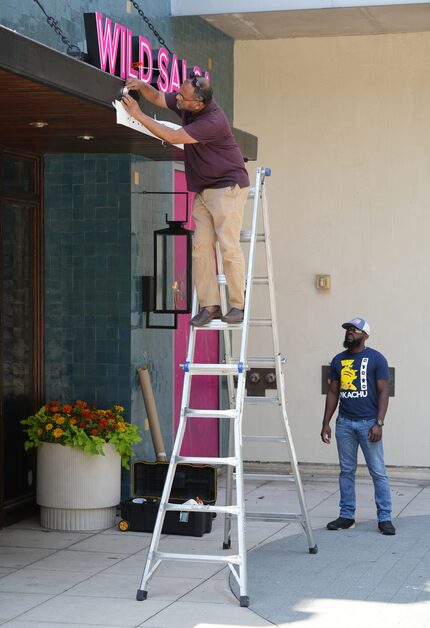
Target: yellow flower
<point>59,420</point>
<point>122,426</point>
<point>73,421</point>
<point>119,409</point>
<point>39,431</point>
<point>58,432</point>
<point>49,426</point>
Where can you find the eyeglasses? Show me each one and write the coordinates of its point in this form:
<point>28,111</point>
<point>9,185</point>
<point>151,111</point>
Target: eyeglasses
<point>182,97</point>
<point>354,330</point>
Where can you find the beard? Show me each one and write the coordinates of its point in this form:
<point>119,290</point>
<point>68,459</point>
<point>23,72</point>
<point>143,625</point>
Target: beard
<point>351,344</point>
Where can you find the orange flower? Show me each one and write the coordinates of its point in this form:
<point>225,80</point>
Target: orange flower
<point>59,420</point>
<point>54,409</point>
<point>73,421</point>
<point>67,409</point>
<point>58,432</point>
<point>86,412</point>
<point>39,432</point>
<point>48,426</point>
<point>93,432</point>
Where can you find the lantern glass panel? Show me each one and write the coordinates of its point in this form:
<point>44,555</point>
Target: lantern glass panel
<point>172,276</point>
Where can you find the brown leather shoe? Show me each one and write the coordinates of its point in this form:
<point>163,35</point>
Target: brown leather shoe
<point>204,316</point>
<point>234,315</point>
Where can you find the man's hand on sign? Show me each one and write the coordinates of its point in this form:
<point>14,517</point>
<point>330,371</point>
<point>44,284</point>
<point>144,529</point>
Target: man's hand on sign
<point>131,105</point>
<point>133,84</point>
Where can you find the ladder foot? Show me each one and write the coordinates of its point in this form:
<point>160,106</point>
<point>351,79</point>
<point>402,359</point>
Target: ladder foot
<point>244,600</point>
<point>141,595</point>
<point>313,550</point>
<point>226,545</point>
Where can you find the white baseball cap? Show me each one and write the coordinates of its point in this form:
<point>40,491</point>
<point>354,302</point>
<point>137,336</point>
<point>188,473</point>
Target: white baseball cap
<point>359,323</point>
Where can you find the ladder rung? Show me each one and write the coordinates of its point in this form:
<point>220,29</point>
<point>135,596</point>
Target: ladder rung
<point>219,325</point>
<point>203,460</point>
<point>221,280</point>
<point>232,559</point>
<point>261,322</point>
<point>265,439</point>
<point>270,477</point>
<point>274,516</point>
<point>230,510</point>
<point>245,236</point>
<point>213,369</point>
<point>261,281</point>
<point>211,414</point>
<point>262,361</point>
<point>260,400</point>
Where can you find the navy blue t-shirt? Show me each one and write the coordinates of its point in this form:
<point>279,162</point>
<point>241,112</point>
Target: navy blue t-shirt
<point>358,374</point>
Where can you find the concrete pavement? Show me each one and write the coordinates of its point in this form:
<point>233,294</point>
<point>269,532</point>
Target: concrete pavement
<point>359,578</point>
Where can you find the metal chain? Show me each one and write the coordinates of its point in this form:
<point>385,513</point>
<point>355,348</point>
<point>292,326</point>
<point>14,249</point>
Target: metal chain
<point>73,50</point>
<point>150,26</point>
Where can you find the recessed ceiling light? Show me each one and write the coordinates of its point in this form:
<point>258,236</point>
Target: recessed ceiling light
<point>38,125</point>
<point>85,137</point>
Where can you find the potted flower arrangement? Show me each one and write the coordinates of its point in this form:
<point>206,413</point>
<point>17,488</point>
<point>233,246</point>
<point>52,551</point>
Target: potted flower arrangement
<point>80,452</point>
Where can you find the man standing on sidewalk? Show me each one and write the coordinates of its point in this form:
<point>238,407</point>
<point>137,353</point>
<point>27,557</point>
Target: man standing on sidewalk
<point>359,377</point>
<point>215,170</point>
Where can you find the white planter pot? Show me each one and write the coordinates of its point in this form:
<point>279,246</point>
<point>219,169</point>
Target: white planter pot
<point>75,490</point>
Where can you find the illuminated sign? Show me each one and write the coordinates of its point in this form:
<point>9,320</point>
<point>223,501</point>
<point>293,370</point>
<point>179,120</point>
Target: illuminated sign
<point>113,48</point>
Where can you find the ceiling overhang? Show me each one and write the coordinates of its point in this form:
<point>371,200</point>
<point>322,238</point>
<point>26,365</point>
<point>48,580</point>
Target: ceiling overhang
<point>279,19</point>
<point>74,99</point>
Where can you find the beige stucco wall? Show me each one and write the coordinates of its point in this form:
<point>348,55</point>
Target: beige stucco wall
<point>344,124</point>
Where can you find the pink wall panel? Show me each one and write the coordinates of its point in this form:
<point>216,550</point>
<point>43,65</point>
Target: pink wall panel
<point>201,437</point>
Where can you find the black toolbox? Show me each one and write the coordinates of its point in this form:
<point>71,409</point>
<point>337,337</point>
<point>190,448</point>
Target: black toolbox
<point>190,482</point>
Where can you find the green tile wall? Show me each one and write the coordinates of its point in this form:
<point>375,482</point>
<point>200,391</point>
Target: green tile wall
<point>87,279</point>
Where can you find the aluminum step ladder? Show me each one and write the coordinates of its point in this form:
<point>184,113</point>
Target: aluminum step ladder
<point>235,370</point>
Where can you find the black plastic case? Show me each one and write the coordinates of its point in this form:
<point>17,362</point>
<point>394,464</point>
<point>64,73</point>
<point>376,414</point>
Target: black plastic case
<point>190,481</point>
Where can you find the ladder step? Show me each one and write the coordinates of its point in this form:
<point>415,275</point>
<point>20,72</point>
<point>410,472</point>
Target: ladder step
<point>254,361</point>
<point>256,401</point>
<point>270,477</point>
<point>221,280</point>
<point>204,460</point>
<point>261,281</point>
<point>214,369</point>
<point>230,510</point>
<point>218,325</point>
<point>274,516</point>
<point>265,439</point>
<point>210,414</point>
<point>245,236</point>
<point>261,322</point>
<point>232,559</point>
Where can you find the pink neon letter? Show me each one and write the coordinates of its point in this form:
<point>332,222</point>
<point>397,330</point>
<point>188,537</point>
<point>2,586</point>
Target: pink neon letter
<point>145,54</point>
<point>130,72</point>
<point>184,69</point>
<point>108,47</point>
<point>163,62</point>
<point>197,70</point>
<point>123,53</point>
<point>175,81</point>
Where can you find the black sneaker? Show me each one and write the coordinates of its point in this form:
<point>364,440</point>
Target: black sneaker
<point>341,523</point>
<point>387,528</point>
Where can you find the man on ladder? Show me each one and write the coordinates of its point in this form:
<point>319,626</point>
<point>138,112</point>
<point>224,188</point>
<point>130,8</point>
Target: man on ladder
<point>218,211</point>
<point>215,170</point>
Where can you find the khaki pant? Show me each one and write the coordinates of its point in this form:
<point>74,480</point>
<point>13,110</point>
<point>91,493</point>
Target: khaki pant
<point>218,214</point>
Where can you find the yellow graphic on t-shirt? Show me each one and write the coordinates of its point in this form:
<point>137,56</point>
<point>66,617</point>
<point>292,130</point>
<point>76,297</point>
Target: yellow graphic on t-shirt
<point>348,375</point>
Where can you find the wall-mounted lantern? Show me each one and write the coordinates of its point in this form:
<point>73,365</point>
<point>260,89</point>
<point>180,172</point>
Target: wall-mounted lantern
<point>170,290</point>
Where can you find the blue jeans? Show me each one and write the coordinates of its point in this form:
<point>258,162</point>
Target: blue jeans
<point>349,435</point>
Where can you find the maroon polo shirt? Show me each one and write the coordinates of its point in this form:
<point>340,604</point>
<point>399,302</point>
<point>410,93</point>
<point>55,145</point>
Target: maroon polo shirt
<point>215,161</point>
